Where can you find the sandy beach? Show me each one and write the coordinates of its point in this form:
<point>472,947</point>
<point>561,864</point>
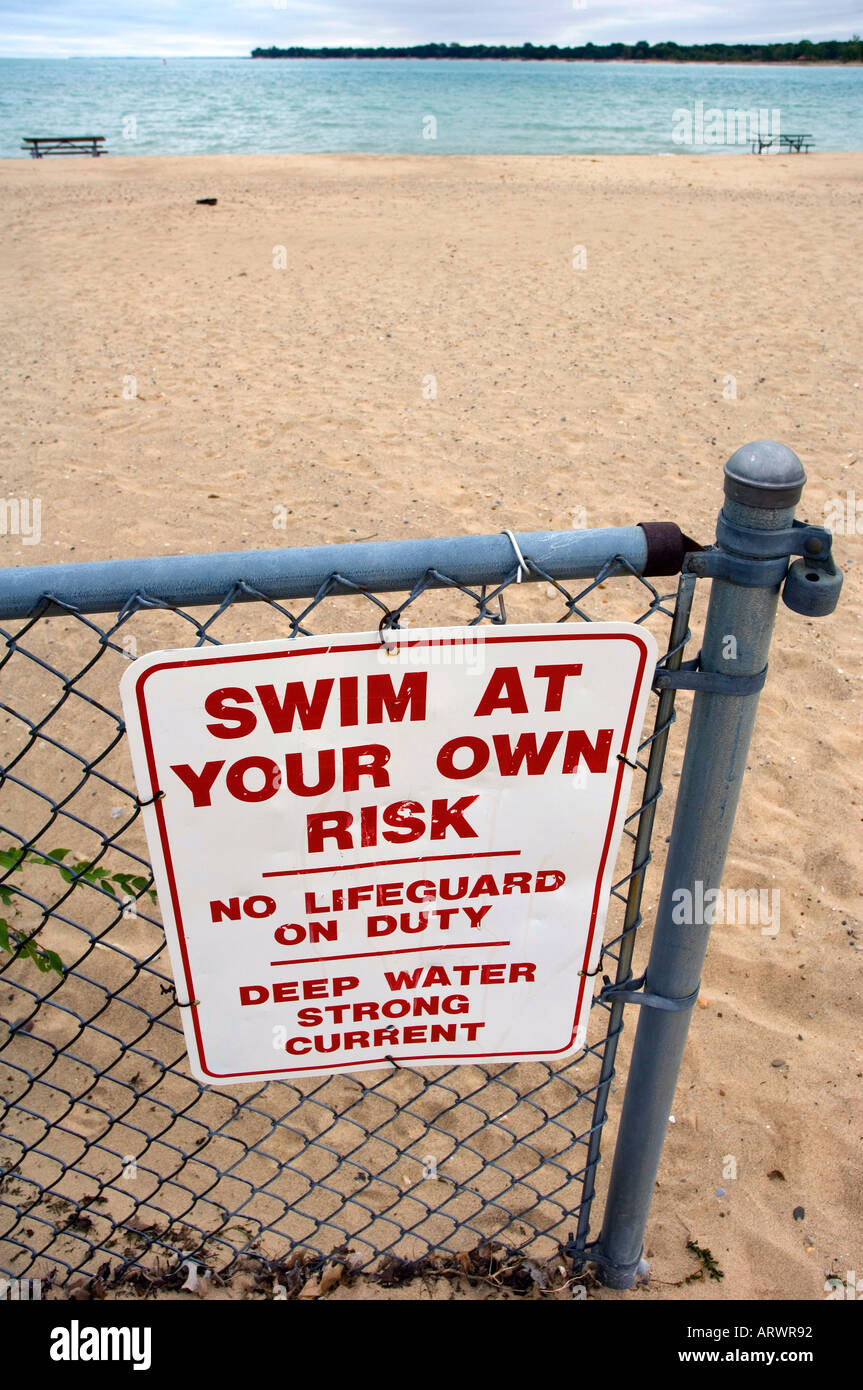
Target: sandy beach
<point>378,347</point>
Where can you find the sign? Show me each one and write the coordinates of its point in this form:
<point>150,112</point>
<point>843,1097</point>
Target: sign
<point>367,852</point>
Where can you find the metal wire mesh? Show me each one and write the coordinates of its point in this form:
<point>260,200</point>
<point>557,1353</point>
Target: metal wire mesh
<point>111,1153</point>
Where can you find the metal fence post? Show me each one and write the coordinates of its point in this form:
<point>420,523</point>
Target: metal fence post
<point>763,482</point>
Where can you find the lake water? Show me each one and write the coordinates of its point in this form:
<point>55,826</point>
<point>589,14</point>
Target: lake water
<point>233,105</point>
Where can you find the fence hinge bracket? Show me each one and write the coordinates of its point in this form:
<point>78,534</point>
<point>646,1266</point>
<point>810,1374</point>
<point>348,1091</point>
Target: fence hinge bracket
<point>739,569</point>
<point>691,677</point>
<point>759,559</point>
<point>633,992</point>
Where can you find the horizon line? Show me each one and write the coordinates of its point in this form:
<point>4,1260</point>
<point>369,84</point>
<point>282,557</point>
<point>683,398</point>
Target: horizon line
<point>450,43</point>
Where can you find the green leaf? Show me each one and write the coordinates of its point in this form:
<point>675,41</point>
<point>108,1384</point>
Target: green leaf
<point>94,875</point>
<point>54,962</point>
<point>28,950</point>
<point>36,956</point>
<point>47,859</point>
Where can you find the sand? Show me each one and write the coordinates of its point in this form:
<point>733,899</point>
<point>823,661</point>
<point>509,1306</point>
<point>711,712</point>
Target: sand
<point>462,345</point>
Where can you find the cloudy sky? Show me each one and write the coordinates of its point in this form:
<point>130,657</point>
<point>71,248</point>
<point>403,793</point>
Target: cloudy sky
<point>211,27</point>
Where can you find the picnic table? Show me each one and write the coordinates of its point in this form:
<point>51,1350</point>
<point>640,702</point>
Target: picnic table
<point>797,142</point>
<point>801,142</point>
<point>39,145</point>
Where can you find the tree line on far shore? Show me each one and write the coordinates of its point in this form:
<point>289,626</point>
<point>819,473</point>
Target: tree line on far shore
<point>830,51</point>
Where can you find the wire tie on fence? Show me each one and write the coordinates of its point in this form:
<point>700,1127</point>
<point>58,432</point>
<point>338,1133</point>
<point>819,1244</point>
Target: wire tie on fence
<point>157,796</point>
<point>621,758</point>
<point>171,989</point>
<point>383,625</point>
<point>591,974</point>
<point>522,563</point>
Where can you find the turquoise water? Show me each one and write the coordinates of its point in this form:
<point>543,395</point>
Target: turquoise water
<point>235,105</point>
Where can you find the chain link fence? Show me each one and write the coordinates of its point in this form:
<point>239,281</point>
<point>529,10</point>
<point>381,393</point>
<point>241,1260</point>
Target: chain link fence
<point>112,1157</point>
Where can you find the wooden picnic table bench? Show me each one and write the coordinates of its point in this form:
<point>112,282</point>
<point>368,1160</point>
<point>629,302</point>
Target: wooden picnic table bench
<point>39,145</point>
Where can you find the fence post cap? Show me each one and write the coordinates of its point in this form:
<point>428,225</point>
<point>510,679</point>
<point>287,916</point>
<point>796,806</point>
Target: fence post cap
<point>764,474</point>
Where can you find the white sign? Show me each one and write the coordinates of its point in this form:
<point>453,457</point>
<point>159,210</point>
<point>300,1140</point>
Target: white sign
<point>366,853</point>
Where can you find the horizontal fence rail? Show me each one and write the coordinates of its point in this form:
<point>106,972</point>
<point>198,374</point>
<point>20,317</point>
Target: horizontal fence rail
<point>377,566</point>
